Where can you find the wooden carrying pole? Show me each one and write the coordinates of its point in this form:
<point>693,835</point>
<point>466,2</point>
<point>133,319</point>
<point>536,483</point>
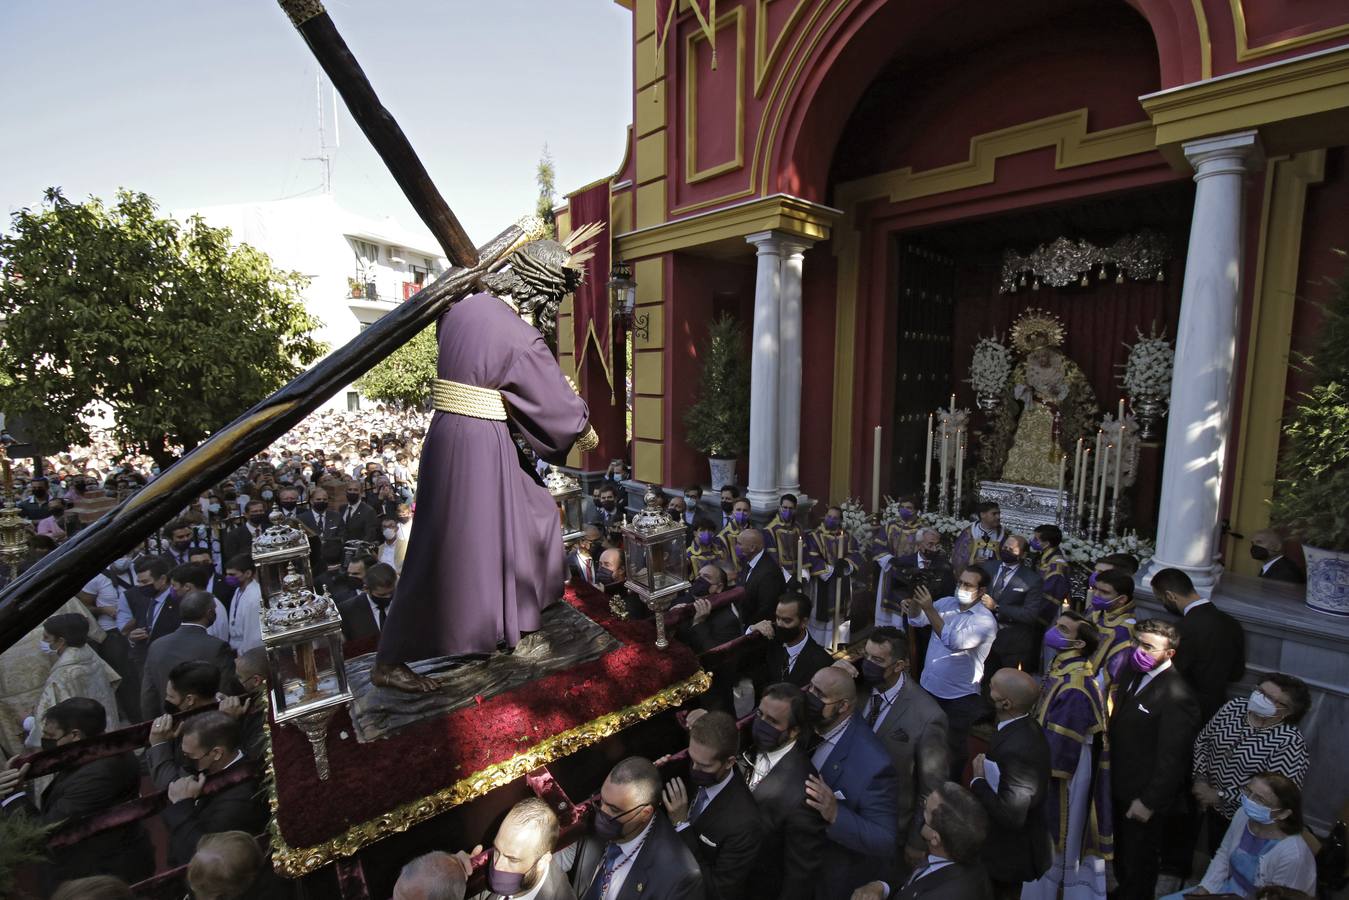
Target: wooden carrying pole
<point>319,32</point>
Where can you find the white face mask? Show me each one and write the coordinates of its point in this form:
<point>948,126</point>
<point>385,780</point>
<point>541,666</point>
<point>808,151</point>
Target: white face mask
<point>390,533</point>
<point>1261,705</point>
<point>44,646</point>
<point>966,596</point>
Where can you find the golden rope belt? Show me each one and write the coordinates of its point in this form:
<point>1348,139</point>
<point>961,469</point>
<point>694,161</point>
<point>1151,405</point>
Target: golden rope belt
<point>467,400</point>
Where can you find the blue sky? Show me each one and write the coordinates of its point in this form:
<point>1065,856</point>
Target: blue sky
<point>202,102</point>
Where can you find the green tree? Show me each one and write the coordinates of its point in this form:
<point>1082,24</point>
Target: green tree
<point>167,325</point>
<point>546,177</point>
<point>403,378</point>
<point>718,420</point>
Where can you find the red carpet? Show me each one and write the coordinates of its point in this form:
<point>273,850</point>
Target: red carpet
<point>388,785</point>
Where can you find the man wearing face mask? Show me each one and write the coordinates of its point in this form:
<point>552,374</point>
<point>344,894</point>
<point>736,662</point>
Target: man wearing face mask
<point>390,550</point>
<point>180,535</point>
<point>980,542</point>
<point>1212,650</point>
<point>1152,729</point>
<point>832,559</point>
<point>1051,565</point>
<point>633,851</point>
<point>729,494</point>
<point>79,791</point>
<point>210,746</point>
<point>898,578</point>
<point>154,610</point>
<point>249,707</point>
<point>1023,613</point>
<point>1110,605</point>
<point>360,522</point>
<point>190,577</point>
<point>239,539</point>
<point>323,526</point>
<point>899,537</point>
<point>702,549</point>
<point>245,615</point>
<point>200,556</point>
<point>708,628</point>
<point>34,506</point>
<point>693,495</point>
<point>1267,550</point>
<point>190,685</point>
<point>1072,714</point>
<point>777,770</point>
<point>581,559</point>
<point>962,633</point>
<point>855,791</point>
<point>783,534</point>
<point>910,726</point>
<point>77,671</point>
<point>364,613</point>
<point>677,510</point>
<point>793,656</point>
<point>727,538</point>
<point>762,581</point>
<point>522,866</point>
<point>714,812</point>
<point>609,512</point>
<point>190,642</point>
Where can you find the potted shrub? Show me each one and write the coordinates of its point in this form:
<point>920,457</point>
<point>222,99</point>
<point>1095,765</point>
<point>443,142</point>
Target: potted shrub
<point>1311,492</point>
<point>717,422</point>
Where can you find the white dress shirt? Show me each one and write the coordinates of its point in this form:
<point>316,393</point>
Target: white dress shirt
<point>1148,676</point>
<point>625,861</point>
<point>1195,605</point>
<point>246,618</point>
<point>711,793</point>
<point>954,665</point>
<point>1272,561</point>
<point>887,701</point>
<point>765,761</point>
<point>828,741</point>
<point>387,554</point>
<point>220,628</point>
<point>105,594</point>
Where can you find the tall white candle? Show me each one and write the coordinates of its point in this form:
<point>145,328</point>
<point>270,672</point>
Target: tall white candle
<point>1063,469</point>
<point>927,463</point>
<point>1077,465</point>
<point>945,440</point>
<point>1095,471</point>
<point>960,466</point>
<point>876,473</point>
<point>1119,458</point>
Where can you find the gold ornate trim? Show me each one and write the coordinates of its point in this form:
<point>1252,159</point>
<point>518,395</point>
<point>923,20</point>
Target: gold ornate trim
<point>588,440</point>
<point>301,11</point>
<point>692,173</point>
<point>1247,52</point>
<point>294,862</point>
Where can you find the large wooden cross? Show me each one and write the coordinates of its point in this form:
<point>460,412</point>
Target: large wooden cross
<point>59,576</point>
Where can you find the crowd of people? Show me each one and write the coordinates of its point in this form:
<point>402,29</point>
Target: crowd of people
<point>994,736</point>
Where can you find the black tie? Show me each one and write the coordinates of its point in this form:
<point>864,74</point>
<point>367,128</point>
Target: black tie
<point>699,804</point>
<point>1003,577</point>
<point>874,712</point>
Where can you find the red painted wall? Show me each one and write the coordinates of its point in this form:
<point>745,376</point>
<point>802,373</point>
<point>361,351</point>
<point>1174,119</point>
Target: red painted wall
<point>818,278</point>
<point>1325,228</point>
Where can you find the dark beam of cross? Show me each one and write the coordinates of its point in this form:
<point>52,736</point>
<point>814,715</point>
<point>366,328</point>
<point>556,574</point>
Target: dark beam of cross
<point>57,577</point>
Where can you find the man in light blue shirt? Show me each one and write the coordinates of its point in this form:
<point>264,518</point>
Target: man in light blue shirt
<point>963,629</point>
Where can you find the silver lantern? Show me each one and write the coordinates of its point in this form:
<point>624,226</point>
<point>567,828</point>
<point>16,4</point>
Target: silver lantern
<point>654,546</point>
<point>566,493</point>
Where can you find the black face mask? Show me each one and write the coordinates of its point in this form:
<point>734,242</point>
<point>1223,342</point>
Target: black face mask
<point>1260,554</point>
<point>814,707</point>
<point>319,506</point>
<point>786,635</point>
<point>49,744</point>
<point>171,708</point>
<point>871,674</point>
<point>353,498</point>
<point>698,587</point>
<point>727,505</point>
<point>260,519</point>
<point>180,546</point>
<point>194,766</point>
<point>700,779</point>
<point>609,504</point>
<point>604,576</point>
<point>288,507</point>
<point>766,737</point>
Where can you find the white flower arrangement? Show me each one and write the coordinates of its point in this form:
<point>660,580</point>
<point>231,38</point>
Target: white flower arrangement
<point>1148,371</point>
<point>856,523</point>
<point>890,512</point>
<point>990,366</point>
<point>1087,552</point>
<point>946,526</point>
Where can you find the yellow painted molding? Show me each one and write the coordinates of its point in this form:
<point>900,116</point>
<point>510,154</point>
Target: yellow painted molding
<point>648,463</point>
<point>692,173</point>
<point>1267,353</point>
<point>1269,97</point>
<point>1246,52</point>
<point>644,18</point>
<point>649,372</point>
<point>1066,132</point>
<point>648,415</point>
<point>1205,45</point>
<point>650,206</point>
<point>650,277</point>
<point>655,336</point>
<point>644,67</point>
<point>764,54</point>
<point>780,212</point>
<point>1074,146</point>
<point>563,220</point>
<point>649,108</point>
<point>651,157</point>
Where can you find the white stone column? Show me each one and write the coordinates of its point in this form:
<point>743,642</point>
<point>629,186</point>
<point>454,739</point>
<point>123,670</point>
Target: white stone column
<point>763,404</point>
<point>1202,381</point>
<point>789,371</point>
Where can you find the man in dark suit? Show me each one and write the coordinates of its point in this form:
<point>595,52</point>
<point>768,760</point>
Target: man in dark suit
<point>760,576</point>
<point>953,830</point>
<point>323,526</point>
<point>794,841</point>
<point>1267,550</point>
<point>793,655</point>
<point>190,685</point>
<point>210,746</point>
<point>715,813</point>
<point>581,562</point>
<point>200,555</point>
<point>153,607</point>
<point>1152,730</point>
<point>522,856</point>
<point>634,851</point>
<point>910,725</point>
<point>189,642</point>
<point>1212,651</point>
<point>360,522</point>
<point>855,792</point>
<point>363,613</point>
<point>239,539</point>
<point>91,788</point>
<point>710,628</point>
<point>1018,848</point>
<point>1020,607</point>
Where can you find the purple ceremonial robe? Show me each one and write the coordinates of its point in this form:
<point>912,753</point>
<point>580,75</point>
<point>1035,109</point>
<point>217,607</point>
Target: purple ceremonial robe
<point>485,553</point>
<point>1072,712</point>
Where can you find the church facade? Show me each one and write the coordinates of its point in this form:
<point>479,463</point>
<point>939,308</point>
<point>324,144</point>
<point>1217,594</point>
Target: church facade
<point>848,178</point>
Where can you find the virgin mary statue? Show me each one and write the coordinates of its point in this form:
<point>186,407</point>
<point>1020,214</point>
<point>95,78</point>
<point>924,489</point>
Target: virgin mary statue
<point>1057,403</point>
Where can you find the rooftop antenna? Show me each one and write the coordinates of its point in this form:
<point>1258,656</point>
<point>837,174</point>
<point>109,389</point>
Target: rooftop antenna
<point>325,158</point>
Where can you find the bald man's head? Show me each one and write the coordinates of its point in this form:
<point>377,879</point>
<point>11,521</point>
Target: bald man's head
<point>1270,540</point>
<point>750,541</point>
<point>1013,693</point>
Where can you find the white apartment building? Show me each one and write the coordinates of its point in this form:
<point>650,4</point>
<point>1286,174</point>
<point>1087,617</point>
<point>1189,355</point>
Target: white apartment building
<point>360,268</point>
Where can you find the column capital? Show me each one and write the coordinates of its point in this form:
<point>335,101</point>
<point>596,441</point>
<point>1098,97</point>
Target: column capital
<point>770,241</point>
<point>794,247</point>
<point>1233,153</point>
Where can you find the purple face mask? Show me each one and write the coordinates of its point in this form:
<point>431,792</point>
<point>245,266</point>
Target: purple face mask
<point>740,517</point>
<point>705,538</point>
<point>832,522</point>
<point>786,513</point>
<point>1142,661</point>
<point>1035,545</point>
<point>1091,582</point>
<point>905,514</point>
<point>1055,640</point>
<point>1100,603</point>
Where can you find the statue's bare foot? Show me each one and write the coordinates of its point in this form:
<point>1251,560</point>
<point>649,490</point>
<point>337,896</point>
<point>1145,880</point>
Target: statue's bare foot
<point>401,678</point>
<point>534,644</point>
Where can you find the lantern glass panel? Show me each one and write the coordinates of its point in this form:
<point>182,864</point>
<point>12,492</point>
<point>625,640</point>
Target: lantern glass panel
<point>308,674</point>
<point>572,519</point>
<point>637,562</point>
<point>271,574</point>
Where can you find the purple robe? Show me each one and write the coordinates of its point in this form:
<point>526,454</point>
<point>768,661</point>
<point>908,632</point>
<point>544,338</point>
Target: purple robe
<point>485,553</point>
<point>1072,711</point>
